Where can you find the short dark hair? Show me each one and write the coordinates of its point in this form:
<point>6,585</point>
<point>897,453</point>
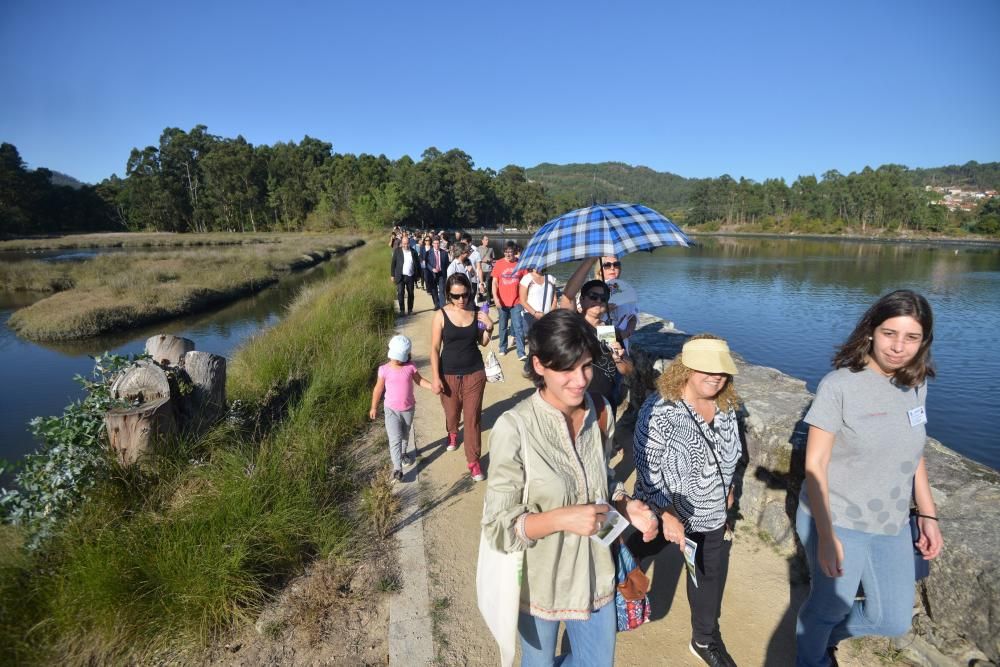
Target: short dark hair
<point>461,278</point>
<point>854,353</point>
<point>510,245</point>
<point>591,284</point>
<point>559,340</point>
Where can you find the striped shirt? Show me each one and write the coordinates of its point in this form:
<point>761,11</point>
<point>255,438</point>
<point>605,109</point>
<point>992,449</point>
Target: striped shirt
<point>675,467</point>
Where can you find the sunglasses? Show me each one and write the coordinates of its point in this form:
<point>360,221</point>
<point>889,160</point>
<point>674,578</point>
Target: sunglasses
<point>597,296</point>
<point>460,295</point>
<point>612,265</point>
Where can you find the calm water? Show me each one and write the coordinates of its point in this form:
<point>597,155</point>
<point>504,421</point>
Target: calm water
<point>788,303</point>
<point>38,378</point>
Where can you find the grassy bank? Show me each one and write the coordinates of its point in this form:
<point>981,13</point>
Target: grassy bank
<point>800,226</point>
<point>141,240</point>
<point>122,291</point>
<point>165,557</point>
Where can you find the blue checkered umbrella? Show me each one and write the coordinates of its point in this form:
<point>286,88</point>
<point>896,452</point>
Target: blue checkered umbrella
<point>607,229</point>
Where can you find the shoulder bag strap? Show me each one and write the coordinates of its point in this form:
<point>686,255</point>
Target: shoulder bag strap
<point>715,457</point>
<point>602,417</point>
<point>524,455</point>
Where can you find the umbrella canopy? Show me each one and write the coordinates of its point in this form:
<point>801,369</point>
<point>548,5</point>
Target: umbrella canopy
<point>607,229</point>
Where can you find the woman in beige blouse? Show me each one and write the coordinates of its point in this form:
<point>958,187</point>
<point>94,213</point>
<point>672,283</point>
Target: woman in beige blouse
<point>566,439</point>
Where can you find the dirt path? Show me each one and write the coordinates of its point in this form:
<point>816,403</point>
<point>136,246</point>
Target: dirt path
<point>758,616</point>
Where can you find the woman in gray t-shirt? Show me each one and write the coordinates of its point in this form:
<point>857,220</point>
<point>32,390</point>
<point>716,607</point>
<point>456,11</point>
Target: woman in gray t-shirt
<point>864,459</point>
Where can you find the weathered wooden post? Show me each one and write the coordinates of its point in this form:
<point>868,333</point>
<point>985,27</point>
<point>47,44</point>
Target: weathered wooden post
<point>206,403</point>
<point>133,431</point>
<point>162,405</point>
<point>168,350</point>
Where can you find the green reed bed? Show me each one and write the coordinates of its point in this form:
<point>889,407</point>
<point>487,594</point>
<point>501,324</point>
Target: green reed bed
<point>165,556</point>
<point>122,291</point>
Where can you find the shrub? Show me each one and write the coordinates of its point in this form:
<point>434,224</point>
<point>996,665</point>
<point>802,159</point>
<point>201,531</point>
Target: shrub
<point>73,455</point>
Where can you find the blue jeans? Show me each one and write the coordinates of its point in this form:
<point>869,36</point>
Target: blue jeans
<point>882,564</point>
<point>592,642</point>
<point>513,315</point>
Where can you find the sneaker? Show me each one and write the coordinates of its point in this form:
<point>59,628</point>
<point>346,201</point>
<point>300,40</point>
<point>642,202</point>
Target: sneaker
<point>452,442</point>
<point>397,475</point>
<point>522,357</point>
<point>725,652</point>
<point>409,459</point>
<point>476,471</point>
<point>709,655</point>
<point>501,352</point>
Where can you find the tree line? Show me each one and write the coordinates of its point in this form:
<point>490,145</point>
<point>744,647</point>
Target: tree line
<point>197,182</point>
<point>871,200</point>
<point>194,181</point>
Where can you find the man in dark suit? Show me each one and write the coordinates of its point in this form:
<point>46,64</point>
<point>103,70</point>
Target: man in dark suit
<point>405,264</point>
<point>437,261</point>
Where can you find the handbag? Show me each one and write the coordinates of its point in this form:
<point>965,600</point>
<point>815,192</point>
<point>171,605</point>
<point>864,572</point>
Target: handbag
<point>499,577</point>
<point>494,371</point>
<point>631,588</point>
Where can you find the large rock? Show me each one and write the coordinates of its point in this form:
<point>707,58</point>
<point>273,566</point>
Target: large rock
<point>958,606</point>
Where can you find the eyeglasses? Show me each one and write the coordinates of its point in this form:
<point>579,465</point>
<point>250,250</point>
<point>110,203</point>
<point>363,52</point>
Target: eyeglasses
<point>612,265</point>
<point>597,296</point>
<point>460,295</point>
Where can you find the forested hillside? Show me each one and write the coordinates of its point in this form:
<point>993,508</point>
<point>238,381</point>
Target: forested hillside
<point>971,175</point>
<point>614,181</point>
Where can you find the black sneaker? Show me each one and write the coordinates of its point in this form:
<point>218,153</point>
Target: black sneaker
<point>397,475</point>
<point>711,655</point>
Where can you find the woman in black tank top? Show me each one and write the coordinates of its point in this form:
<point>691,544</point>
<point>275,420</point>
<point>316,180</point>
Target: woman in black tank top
<point>457,368</point>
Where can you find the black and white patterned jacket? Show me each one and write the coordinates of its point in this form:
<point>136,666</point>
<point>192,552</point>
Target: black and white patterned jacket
<point>674,465</point>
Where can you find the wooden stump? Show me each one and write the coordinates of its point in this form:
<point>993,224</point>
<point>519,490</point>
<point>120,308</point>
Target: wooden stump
<point>143,381</point>
<point>207,401</point>
<point>133,431</point>
<point>168,350</point>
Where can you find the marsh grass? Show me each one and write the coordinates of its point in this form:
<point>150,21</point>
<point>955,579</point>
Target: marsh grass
<point>166,556</point>
<point>121,291</point>
<point>141,240</point>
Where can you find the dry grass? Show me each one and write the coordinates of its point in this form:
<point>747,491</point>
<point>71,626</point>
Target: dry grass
<point>121,291</point>
<point>142,240</point>
<point>380,504</point>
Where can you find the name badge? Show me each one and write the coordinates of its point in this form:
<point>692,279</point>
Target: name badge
<point>917,415</point>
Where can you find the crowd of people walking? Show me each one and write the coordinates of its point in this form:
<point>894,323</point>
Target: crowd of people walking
<point>550,489</point>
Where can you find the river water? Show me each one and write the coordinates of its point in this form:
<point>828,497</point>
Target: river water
<point>788,303</point>
<point>780,303</point>
<point>38,377</point>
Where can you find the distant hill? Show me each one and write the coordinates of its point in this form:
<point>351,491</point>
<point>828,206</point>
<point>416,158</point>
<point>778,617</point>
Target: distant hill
<point>59,178</point>
<point>613,181</point>
<point>980,176</point>
<point>582,184</point>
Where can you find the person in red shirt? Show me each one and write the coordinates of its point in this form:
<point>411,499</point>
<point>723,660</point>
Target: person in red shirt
<point>506,281</point>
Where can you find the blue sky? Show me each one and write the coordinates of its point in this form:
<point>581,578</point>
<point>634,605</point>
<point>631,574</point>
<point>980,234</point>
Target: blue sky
<point>756,89</point>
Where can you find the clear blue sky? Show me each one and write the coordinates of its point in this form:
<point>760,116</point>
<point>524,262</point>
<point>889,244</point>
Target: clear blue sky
<point>756,89</point>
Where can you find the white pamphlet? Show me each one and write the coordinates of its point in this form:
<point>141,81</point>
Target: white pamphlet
<point>690,549</point>
<point>614,525</point>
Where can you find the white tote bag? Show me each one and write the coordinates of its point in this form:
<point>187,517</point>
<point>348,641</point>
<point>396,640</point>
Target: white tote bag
<point>494,372</point>
<point>498,583</point>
